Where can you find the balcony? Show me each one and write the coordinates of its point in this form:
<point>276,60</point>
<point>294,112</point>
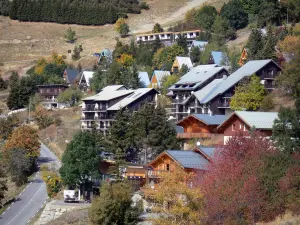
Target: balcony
<point>269,86</point>
<point>269,75</point>
<point>196,135</point>
<point>88,118</point>
<point>89,108</point>
<point>224,104</point>
<point>156,173</point>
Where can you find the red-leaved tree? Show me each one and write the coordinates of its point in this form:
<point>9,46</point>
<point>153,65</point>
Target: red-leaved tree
<point>232,188</point>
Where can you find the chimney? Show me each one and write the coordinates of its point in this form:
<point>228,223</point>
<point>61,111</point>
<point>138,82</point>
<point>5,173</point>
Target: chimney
<point>224,77</point>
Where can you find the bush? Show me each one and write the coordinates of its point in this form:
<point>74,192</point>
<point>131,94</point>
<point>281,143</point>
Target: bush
<point>113,206</point>
<point>53,182</point>
<point>144,5</point>
<point>42,117</point>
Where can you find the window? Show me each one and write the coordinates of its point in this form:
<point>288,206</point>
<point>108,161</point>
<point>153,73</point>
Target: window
<point>168,167</point>
<point>245,128</point>
<point>240,126</point>
<point>233,127</point>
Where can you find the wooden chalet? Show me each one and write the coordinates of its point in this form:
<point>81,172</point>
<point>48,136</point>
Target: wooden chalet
<point>70,76</point>
<point>192,161</point>
<point>179,62</point>
<point>157,78</point>
<point>49,94</point>
<point>241,122</point>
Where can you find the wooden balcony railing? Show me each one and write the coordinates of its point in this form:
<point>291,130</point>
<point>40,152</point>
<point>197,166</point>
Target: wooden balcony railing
<point>197,135</point>
<point>156,173</point>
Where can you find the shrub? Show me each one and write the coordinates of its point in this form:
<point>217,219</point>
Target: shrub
<point>53,182</point>
<point>144,5</point>
<point>113,206</point>
<point>42,117</point>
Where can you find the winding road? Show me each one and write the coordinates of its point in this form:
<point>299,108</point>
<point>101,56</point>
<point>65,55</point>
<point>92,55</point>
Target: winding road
<point>33,197</point>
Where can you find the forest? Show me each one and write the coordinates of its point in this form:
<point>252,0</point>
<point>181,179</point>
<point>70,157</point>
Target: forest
<point>86,12</point>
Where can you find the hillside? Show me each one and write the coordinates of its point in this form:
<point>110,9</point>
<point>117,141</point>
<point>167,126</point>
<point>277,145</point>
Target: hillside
<point>21,43</point>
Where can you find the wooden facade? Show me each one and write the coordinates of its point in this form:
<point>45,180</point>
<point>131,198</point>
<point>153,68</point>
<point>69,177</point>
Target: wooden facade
<point>235,126</point>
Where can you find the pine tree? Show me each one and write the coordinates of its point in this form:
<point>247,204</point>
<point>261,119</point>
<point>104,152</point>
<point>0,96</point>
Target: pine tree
<point>255,45</point>
<point>268,51</point>
<point>195,54</point>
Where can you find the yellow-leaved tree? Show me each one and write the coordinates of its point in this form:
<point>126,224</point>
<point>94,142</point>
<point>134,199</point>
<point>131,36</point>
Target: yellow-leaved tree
<point>24,137</point>
<point>179,200</point>
<point>126,60</point>
<point>248,95</point>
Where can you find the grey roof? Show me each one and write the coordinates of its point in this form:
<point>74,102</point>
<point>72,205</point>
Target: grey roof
<point>196,76</point>
<point>211,119</point>
<point>184,61</point>
<point>217,56</point>
<point>179,129</point>
<point>260,120</point>
<point>72,74</point>
<point>88,75</point>
<point>110,92</point>
<point>188,159</point>
<point>160,74</point>
<point>130,98</point>
<point>247,70</point>
<point>144,79</point>
<point>207,90</point>
<point>209,151</point>
<point>200,44</point>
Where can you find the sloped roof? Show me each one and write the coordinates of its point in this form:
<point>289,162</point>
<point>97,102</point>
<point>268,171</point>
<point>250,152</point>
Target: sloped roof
<point>210,119</point>
<point>217,56</point>
<point>259,120</point>
<point>206,119</point>
<point>110,92</point>
<point>184,61</point>
<point>196,77</point>
<point>209,151</point>
<point>207,90</point>
<point>247,70</point>
<point>199,44</point>
<point>114,88</point>
<point>144,79</point>
<point>188,159</point>
<point>87,75</point>
<point>136,94</point>
<point>72,74</point>
<point>160,74</point>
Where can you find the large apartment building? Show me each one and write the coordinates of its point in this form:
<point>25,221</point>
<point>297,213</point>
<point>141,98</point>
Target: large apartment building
<point>169,37</point>
<point>99,111</point>
<point>209,91</point>
<point>182,91</point>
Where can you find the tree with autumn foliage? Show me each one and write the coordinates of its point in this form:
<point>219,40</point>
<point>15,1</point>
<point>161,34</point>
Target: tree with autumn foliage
<point>126,60</point>
<point>248,95</point>
<point>231,186</point>
<point>250,180</point>
<point>24,137</point>
<point>178,200</point>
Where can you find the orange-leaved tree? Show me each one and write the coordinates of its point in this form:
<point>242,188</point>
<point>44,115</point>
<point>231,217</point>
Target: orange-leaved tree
<point>178,200</point>
<point>24,137</point>
<point>126,60</point>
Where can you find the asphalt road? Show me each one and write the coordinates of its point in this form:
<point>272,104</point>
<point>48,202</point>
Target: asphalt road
<point>33,197</point>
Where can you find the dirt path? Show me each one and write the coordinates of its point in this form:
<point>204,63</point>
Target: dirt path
<point>165,19</point>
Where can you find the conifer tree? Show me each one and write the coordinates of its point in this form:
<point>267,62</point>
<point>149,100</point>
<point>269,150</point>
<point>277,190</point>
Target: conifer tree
<point>255,45</point>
